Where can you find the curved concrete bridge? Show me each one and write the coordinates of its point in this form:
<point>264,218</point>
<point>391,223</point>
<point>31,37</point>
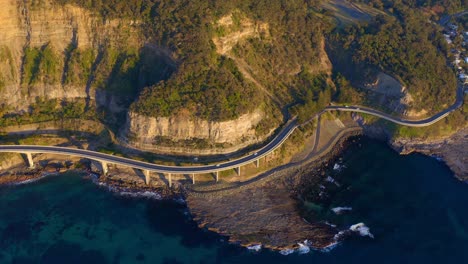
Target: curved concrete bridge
<point>255,157</point>
<point>147,167</point>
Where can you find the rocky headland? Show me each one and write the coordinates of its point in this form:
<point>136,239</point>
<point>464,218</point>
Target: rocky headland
<point>453,150</point>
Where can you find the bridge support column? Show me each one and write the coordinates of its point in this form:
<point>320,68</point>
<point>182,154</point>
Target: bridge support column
<point>147,176</point>
<point>217,176</point>
<point>169,179</point>
<point>104,167</point>
<point>30,160</point>
<point>257,163</point>
<point>193,178</point>
<point>238,171</point>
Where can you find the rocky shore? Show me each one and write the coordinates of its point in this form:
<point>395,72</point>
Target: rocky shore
<point>117,181</point>
<point>20,176</point>
<point>452,150</point>
<point>265,212</point>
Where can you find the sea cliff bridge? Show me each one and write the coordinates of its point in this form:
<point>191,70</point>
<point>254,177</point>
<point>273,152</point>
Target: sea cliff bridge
<point>236,164</point>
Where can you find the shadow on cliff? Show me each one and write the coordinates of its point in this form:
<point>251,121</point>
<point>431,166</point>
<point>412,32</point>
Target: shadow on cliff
<point>129,74</point>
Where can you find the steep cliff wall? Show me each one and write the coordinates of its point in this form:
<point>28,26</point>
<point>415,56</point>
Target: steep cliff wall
<point>39,44</point>
<point>210,84</point>
<point>152,133</point>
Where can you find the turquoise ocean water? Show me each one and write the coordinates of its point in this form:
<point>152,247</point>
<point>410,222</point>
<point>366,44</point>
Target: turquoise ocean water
<point>414,207</point>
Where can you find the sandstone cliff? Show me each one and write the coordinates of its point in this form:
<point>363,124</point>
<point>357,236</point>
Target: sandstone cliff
<point>171,134</point>
<point>39,43</point>
<point>52,53</point>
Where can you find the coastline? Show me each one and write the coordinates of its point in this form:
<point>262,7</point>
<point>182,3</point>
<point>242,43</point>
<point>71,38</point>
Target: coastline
<point>266,212</point>
<point>298,233</point>
<point>451,150</point>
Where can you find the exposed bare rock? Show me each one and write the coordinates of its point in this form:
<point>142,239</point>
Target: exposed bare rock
<point>148,132</point>
<point>453,150</point>
<point>237,28</point>
<point>26,25</point>
<point>264,215</point>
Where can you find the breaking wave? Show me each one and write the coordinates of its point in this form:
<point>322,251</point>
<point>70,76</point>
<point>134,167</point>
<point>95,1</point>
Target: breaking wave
<point>303,247</point>
<point>286,251</point>
<point>125,191</point>
<point>338,167</point>
<point>362,229</point>
<point>340,210</point>
<point>255,248</point>
<point>43,175</point>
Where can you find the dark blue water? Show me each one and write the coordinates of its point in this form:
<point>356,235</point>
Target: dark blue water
<point>412,204</point>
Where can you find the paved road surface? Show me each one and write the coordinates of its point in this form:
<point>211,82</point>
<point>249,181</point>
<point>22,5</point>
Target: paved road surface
<point>271,146</point>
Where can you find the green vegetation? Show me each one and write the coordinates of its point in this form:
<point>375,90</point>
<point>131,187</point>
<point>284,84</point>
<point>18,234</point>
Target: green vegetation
<point>2,84</point>
<point>448,6</point>
<point>48,110</point>
<point>407,46</point>
<point>30,65</point>
<point>346,94</point>
<point>445,127</point>
<point>180,71</point>
<point>6,56</point>
<point>206,84</point>
<point>315,96</point>
<point>455,121</point>
<point>80,63</point>
<point>217,93</point>
<point>40,65</point>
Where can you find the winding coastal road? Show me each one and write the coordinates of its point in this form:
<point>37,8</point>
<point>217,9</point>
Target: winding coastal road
<point>237,163</point>
<point>412,123</point>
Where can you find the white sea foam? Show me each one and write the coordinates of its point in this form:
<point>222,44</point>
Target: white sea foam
<point>339,235</point>
<point>28,181</point>
<point>330,224</point>
<point>43,175</point>
<point>330,247</point>
<point>340,210</point>
<point>330,179</point>
<point>303,247</point>
<point>286,251</point>
<point>362,229</point>
<point>127,192</point>
<point>255,247</point>
<point>144,194</point>
<point>337,167</point>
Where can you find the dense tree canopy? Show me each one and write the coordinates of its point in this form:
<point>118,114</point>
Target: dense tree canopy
<point>409,47</point>
<point>205,83</point>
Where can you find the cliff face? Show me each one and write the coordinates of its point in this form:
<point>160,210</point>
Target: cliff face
<point>64,52</point>
<point>37,45</point>
<point>148,132</point>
